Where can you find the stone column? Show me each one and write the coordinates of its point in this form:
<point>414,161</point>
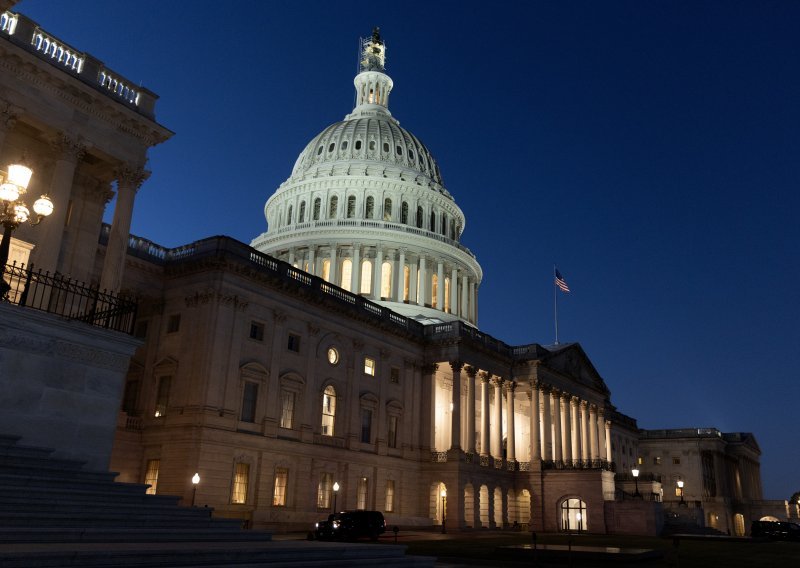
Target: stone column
<point>355,275</point>
<point>547,426</point>
<point>566,427</point>
<point>464,307</point>
<point>69,152</point>
<point>600,428</point>
<point>455,415</point>
<point>577,444</point>
<point>536,450</point>
<point>312,260</point>
<point>470,434</point>
<point>472,314</point>
<point>608,441</point>
<point>453,307</point>
<point>428,429</point>
<point>439,286</point>
<point>377,270</point>
<point>399,294</point>
<point>511,454</point>
<point>129,178</point>
<point>497,419</point>
<point>423,284</point>
<point>412,283</point>
<point>592,435</point>
<point>291,256</point>
<point>485,377</point>
<point>585,454</point>
<point>332,270</point>
<point>555,398</point>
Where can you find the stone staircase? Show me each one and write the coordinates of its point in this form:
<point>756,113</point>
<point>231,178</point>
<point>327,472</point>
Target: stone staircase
<point>55,513</point>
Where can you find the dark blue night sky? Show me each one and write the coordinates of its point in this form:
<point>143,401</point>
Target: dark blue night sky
<point>649,149</point>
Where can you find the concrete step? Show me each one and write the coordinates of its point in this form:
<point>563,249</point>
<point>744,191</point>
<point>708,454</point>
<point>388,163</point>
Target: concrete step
<point>131,519</point>
<point>101,508</point>
<point>34,481</point>
<point>129,535</point>
<point>45,496</point>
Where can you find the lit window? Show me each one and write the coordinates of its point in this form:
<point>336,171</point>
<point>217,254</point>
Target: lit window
<point>406,282</point>
<point>287,409</point>
<point>361,494</point>
<point>366,277</point>
<point>446,306</point>
<point>656,461</point>
<point>279,493</point>
<point>386,280</point>
<point>256,331</point>
<point>162,396</point>
<point>328,410</point>
<point>573,515</point>
<point>392,432</point>
<point>434,291</point>
<point>174,323</point>
<point>326,270</point>
<point>324,491</point>
<point>366,425</point>
<point>389,495</point>
<point>369,366</point>
<point>347,274</point>
<point>333,356</point>
<point>151,476</point>
<point>294,343</point>
<point>640,460</point>
<point>249,399</point>
<point>241,479</point>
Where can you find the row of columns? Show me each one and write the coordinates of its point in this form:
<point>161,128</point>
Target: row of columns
<point>68,153</point>
<point>563,427</point>
<point>462,300</point>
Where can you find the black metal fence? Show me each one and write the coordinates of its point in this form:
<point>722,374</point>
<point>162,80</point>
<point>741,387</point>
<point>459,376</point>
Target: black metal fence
<point>55,294</point>
<point>579,464</point>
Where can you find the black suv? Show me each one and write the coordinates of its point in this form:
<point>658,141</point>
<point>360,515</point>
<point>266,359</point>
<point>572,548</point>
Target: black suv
<point>775,530</point>
<point>351,525</point>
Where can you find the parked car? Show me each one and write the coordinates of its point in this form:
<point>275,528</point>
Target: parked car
<point>775,530</point>
<point>351,525</point>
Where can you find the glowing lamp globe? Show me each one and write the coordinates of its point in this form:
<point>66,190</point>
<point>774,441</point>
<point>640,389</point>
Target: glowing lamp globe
<point>9,192</point>
<point>21,213</point>
<point>43,206</point>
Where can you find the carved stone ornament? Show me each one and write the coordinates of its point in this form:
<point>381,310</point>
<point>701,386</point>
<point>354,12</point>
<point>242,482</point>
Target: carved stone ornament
<point>207,296</point>
<point>68,147</point>
<point>313,330</point>
<point>279,316</point>
<point>131,176</point>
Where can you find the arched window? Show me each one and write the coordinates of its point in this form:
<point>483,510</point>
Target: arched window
<point>432,226</point>
<point>446,306</point>
<point>317,205</point>
<point>334,203</point>
<point>289,216</point>
<point>404,213</point>
<point>326,270</point>
<point>351,206</point>
<point>419,217</point>
<point>366,276</point>
<point>301,218</point>
<point>328,410</point>
<point>452,230</point>
<point>387,209</point>
<point>443,226</point>
<point>386,280</point>
<point>347,274</point>
<point>573,515</point>
<point>370,210</point>
<point>434,290</point>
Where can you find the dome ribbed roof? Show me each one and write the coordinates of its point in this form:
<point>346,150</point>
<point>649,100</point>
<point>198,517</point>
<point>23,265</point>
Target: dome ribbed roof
<point>368,139</point>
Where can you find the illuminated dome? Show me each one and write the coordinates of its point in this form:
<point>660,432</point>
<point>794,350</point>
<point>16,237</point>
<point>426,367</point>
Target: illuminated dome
<point>366,209</point>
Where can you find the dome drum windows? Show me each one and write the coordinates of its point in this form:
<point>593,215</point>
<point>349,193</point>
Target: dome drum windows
<point>301,217</point>
<point>358,145</point>
<point>420,215</point>
<point>332,207</point>
<point>331,147</point>
<point>344,145</point>
<point>370,209</point>
<point>351,206</point>
<point>385,147</point>
<point>404,213</point>
<point>387,209</point>
<point>317,207</point>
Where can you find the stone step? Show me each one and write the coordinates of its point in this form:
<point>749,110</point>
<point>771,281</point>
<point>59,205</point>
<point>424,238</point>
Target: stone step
<point>219,533</point>
<point>78,519</point>
<point>48,496</point>
<point>34,481</point>
<point>50,468</point>
<point>103,508</point>
<point>21,450</point>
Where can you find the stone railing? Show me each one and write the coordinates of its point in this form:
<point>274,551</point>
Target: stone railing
<point>602,465</point>
<point>26,34</point>
<point>439,457</point>
<point>680,433</point>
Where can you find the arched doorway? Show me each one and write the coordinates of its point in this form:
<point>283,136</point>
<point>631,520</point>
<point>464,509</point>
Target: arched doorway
<point>498,507</point>
<point>573,515</point>
<point>524,507</point>
<point>438,502</point>
<point>484,504</point>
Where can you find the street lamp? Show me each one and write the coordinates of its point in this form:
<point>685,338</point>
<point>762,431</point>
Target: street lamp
<point>444,510</point>
<point>195,482</point>
<point>680,486</point>
<point>635,472</point>
<point>335,493</point>
<point>14,211</point>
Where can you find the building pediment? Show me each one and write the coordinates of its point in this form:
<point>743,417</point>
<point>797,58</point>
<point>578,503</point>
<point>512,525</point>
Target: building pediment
<point>571,360</point>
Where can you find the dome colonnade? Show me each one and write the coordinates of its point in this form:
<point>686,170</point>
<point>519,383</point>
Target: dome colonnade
<point>365,208</point>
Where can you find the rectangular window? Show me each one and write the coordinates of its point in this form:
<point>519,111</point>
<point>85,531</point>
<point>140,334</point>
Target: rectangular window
<point>361,494</point>
<point>389,495</point>
<point>241,479</point>
<point>174,323</point>
<point>256,331</point>
<point>328,411</point>
<point>249,400</point>
<point>287,409</point>
<point>369,366</point>
<point>294,343</point>
<point>141,330</point>
<point>394,375</point>
<point>162,396</point>
<point>324,491</point>
<point>151,476</point>
<point>130,397</point>
<point>366,425</point>
<point>640,460</point>
<point>676,461</point>
<point>657,461</point>
<point>392,432</point>
<point>279,493</point>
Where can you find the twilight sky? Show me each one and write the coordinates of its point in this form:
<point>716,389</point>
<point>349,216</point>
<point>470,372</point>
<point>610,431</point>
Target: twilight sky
<point>650,149</point>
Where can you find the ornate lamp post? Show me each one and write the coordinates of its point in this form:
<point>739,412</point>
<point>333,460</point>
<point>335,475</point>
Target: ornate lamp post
<point>444,510</point>
<point>335,493</point>
<point>680,486</point>
<point>14,211</point>
<point>635,472</point>
<point>195,483</point>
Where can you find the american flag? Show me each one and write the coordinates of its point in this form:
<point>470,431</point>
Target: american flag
<point>560,282</point>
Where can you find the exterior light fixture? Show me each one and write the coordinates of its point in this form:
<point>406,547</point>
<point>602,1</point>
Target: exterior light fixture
<point>635,473</point>
<point>443,494</point>
<point>335,493</point>
<point>14,211</point>
<point>195,483</point>
<point>680,486</point>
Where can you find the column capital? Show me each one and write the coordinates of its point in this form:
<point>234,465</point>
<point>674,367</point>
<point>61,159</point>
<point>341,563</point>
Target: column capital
<point>430,367</point>
<point>486,376</point>
<point>68,148</point>
<point>456,366</point>
<point>131,175</point>
<point>497,381</point>
<point>576,401</point>
<point>99,192</point>
<point>471,371</point>
<point>509,386</point>
<point>601,412</point>
<point>592,408</point>
<point>585,404</point>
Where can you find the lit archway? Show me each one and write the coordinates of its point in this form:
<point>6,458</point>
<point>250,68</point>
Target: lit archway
<point>573,515</point>
<point>469,505</point>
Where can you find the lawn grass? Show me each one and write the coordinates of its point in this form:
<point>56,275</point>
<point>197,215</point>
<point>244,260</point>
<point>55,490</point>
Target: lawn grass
<point>481,549</point>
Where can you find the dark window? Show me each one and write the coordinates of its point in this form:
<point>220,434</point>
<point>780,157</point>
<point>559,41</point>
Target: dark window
<point>404,213</point>
<point>301,218</point>
<point>331,147</point>
<point>372,144</point>
<point>351,206</point>
<point>387,209</point>
<point>131,395</point>
<point>162,396</point>
<point>319,150</point>
<point>419,217</point>
<point>676,461</point>
<point>394,375</point>
<point>656,461</point>
<point>433,222</point>
<point>399,150</point>
<point>256,331</point>
<point>334,204</point>
<point>366,425</point>
<point>385,146</point>
<point>317,204</point>
<point>294,343</point>
<point>370,209</point>
<point>392,432</point>
<point>344,145</point>
<point>249,399</point>
<point>174,323</point>
<point>358,144</point>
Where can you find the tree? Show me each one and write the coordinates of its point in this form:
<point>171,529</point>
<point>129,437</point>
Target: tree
<point>795,498</point>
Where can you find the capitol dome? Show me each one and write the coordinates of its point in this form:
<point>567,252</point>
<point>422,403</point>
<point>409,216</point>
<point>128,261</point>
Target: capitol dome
<point>365,208</point>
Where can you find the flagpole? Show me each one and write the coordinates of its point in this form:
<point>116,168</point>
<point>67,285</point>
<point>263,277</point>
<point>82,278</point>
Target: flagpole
<point>555,302</point>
